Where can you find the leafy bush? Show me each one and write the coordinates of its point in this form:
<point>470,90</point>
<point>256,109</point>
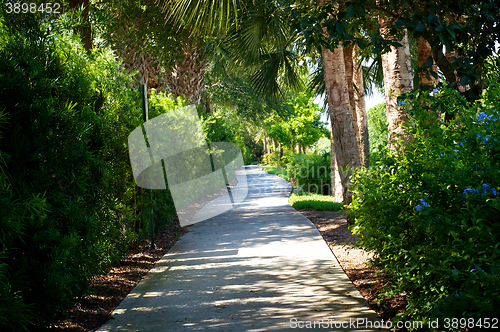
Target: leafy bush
<point>431,213</point>
<point>15,313</point>
<point>218,129</point>
<point>70,207</point>
<point>310,173</point>
<point>377,130</point>
<point>317,202</point>
<point>271,159</point>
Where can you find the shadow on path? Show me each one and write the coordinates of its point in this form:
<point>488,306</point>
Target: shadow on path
<point>261,266</point>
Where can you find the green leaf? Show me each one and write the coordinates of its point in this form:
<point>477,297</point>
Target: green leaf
<point>401,22</point>
<point>433,19</point>
<point>452,33</point>
<point>420,27</point>
<point>464,80</point>
<point>429,62</point>
<point>351,11</point>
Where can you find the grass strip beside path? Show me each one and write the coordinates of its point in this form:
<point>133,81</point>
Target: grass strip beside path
<point>307,201</point>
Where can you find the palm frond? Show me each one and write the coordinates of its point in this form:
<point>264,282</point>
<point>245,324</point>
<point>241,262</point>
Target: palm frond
<point>203,16</point>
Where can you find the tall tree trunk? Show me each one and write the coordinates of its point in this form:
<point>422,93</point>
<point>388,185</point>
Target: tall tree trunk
<point>354,79</point>
<point>345,147</point>
<point>349,68</point>
<point>186,77</point>
<point>424,52</point>
<point>359,104</point>
<point>281,150</point>
<point>398,79</point>
<point>265,141</point>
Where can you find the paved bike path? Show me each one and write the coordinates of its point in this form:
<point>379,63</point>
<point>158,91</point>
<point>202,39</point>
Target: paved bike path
<point>261,266</point>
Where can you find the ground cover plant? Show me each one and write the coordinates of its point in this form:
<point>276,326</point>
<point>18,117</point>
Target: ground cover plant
<point>430,211</point>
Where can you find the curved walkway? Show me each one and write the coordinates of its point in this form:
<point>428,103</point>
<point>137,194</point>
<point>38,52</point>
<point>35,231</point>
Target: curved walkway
<point>260,267</point>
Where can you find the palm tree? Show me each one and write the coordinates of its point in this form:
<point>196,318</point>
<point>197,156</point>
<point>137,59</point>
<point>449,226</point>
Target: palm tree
<point>261,38</point>
<point>165,57</point>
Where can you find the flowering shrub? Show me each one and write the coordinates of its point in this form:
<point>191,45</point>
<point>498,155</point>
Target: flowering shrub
<point>431,214</point>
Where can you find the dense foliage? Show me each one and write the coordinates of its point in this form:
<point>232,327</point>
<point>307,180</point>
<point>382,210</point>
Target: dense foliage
<point>69,204</point>
<point>377,131</point>
<point>301,126</point>
<point>431,213</point>
<point>307,172</point>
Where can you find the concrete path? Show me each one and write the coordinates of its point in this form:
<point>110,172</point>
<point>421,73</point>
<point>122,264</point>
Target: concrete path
<point>259,267</point>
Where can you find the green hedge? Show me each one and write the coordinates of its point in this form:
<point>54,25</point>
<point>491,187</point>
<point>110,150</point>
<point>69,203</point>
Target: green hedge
<point>431,214</point>
<point>69,204</point>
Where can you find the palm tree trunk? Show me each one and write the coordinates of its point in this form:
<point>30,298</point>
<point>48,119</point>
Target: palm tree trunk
<point>354,79</point>
<point>398,79</point>
<point>343,136</point>
<point>348,63</point>
<point>186,77</point>
<point>359,104</point>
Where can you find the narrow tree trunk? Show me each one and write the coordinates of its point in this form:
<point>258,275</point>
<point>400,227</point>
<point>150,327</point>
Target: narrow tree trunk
<point>348,62</point>
<point>398,79</point>
<point>359,104</point>
<point>354,79</point>
<point>281,150</point>
<point>345,148</point>
<point>265,141</point>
